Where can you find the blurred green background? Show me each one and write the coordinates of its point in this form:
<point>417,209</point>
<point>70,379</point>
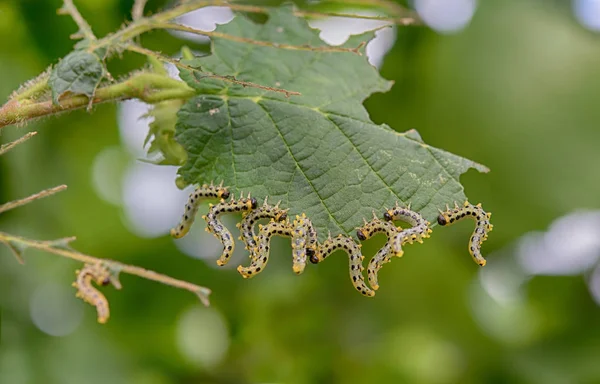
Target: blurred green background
<point>515,89</point>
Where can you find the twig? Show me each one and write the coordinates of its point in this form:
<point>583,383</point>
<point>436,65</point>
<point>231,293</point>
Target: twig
<point>148,87</point>
<point>230,79</point>
<point>7,147</point>
<point>138,9</point>
<point>60,248</point>
<point>40,195</point>
<point>239,39</point>
<point>69,8</point>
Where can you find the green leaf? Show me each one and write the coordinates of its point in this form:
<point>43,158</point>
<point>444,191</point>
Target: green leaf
<point>319,152</point>
<point>162,131</point>
<point>79,72</point>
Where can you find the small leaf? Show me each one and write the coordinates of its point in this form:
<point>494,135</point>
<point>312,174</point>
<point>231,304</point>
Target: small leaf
<point>318,153</point>
<point>203,294</point>
<point>162,131</point>
<point>79,72</point>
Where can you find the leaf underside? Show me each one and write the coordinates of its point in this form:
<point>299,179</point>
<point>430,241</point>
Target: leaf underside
<point>318,153</point>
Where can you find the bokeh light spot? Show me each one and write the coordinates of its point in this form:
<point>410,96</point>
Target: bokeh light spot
<point>55,310</point>
<point>446,15</point>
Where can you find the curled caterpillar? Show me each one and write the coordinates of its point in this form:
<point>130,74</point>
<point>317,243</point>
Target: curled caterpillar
<point>214,225</point>
<point>355,257</point>
<point>304,244</point>
<point>201,193</point>
<point>482,228</point>
<point>86,291</point>
<point>250,219</point>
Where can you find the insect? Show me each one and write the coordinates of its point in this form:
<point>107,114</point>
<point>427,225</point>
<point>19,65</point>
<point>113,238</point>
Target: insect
<point>304,244</point>
<point>482,228</point>
<point>201,193</point>
<point>355,257</point>
<point>214,225</point>
<point>249,220</point>
<point>86,291</point>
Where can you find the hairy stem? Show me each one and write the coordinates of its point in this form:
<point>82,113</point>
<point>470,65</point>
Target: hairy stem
<point>137,12</point>
<point>84,28</point>
<point>7,147</point>
<point>148,87</point>
<point>40,195</point>
<point>58,247</point>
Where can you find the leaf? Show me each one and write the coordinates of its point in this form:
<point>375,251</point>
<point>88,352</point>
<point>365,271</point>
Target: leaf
<point>162,131</point>
<point>319,152</point>
<point>79,72</point>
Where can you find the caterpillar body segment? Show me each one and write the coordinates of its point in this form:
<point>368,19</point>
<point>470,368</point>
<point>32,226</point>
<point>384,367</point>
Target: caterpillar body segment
<point>304,242</point>
<point>249,220</point>
<point>482,227</point>
<point>370,228</point>
<point>216,227</point>
<point>200,194</point>
<point>261,252</point>
<point>355,258</point>
<point>383,256</point>
<point>101,276</point>
<point>420,227</point>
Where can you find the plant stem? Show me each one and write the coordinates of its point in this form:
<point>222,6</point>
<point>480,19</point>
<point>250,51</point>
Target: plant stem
<point>84,28</point>
<point>148,87</point>
<point>40,195</point>
<point>58,248</point>
<point>7,147</point>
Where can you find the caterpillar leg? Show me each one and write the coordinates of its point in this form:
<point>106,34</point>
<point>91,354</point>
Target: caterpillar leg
<point>355,260</point>
<point>86,291</point>
<point>482,227</point>
<point>201,193</point>
<point>216,227</point>
<point>246,226</point>
<point>261,252</point>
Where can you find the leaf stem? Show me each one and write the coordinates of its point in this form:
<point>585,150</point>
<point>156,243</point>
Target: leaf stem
<point>40,195</point>
<point>137,12</point>
<point>57,247</point>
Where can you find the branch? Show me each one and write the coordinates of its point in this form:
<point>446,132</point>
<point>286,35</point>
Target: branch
<point>7,147</point>
<point>138,9</point>
<point>40,195</point>
<point>179,27</point>
<point>69,8</point>
<point>60,247</point>
<point>148,87</point>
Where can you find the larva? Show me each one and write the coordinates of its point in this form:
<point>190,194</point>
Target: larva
<point>355,257</point>
<point>304,242</point>
<point>246,226</point>
<point>482,228</point>
<point>420,227</point>
<point>101,276</point>
<point>201,193</point>
<point>214,225</point>
<point>369,229</point>
<point>261,252</point>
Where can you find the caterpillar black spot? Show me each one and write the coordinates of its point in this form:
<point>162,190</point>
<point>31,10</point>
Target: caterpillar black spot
<point>482,227</point>
<point>249,220</point>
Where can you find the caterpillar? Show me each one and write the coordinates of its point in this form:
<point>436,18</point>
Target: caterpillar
<point>482,228</point>
<point>191,208</point>
<point>99,275</point>
<point>304,244</point>
<point>214,225</point>
<point>249,220</point>
<point>355,257</point>
<point>304,237</point>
